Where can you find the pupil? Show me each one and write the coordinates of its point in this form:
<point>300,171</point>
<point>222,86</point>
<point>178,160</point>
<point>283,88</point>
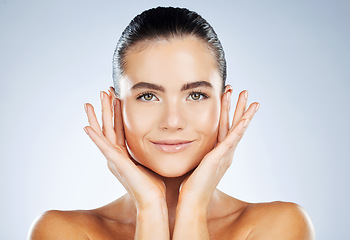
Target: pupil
<point>148,96</point>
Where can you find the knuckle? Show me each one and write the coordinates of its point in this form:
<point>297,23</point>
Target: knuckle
<point>119,149</point>
<point>108,152</point>
<point>225,164</point>
<point>214,164</point>
<point>212,160</point>
<point>228,144</point>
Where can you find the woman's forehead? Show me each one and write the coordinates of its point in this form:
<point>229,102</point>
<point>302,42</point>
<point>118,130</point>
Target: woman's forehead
<point>172,63</point>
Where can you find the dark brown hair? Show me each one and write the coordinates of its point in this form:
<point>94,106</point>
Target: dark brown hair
<point>165,23</point>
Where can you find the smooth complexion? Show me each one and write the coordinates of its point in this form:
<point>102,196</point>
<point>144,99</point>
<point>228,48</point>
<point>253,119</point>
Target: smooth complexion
<point>171,97</point>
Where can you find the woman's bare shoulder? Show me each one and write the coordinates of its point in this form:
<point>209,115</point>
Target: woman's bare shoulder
<point>277,220</point>
<point>101,223</point>
<point>55,224</point>
<point>78,224</point>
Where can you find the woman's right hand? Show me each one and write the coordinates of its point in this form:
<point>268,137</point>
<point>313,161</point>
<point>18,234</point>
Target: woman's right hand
<point>144,186</point>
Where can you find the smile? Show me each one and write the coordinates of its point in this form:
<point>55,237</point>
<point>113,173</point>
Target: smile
<point>171,146</point>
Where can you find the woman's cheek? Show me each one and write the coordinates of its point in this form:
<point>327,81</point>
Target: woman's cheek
<point>137,123</point>
<point>206,118</point>
<point>137,120</point>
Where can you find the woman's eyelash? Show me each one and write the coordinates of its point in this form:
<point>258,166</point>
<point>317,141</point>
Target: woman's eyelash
<point>204,94</point>
<point>144,94</point>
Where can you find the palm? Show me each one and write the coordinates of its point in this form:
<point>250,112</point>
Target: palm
<point>142,184</point>
<point>203,181</point>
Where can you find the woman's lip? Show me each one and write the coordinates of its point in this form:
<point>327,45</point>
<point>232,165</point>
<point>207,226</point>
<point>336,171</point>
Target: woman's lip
<point>172,146</point>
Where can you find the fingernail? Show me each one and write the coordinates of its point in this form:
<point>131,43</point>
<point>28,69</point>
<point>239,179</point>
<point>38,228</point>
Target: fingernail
<point>101,95</point>
<point>85,107</point>
<point>86,131</point>
<point>257,107</point>
<point>246,94</point>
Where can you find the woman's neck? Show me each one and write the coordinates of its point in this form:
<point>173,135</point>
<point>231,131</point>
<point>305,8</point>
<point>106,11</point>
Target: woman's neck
<point>172,186</point>
<point>172,195</point>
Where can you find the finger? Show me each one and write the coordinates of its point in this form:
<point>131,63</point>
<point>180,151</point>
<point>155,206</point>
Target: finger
<point>112,90</point>
<point>107,118</point>
<point>249,114</point>
<point>240,108</point>
<point>115,154</point>
<point>118,123</point>
<point>112,93</point>
<point>129,175</point>
<point>234,136</point>
<point>214,157</point>
<point>220,158</point>
<point>111,97</point>
<point>241,127</point>
<point>224,123</point>
<point>89,109</point>
<point>105,147</point>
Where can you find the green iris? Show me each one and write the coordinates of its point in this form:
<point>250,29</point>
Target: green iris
<point>148,97</point>
<point>196,96</point>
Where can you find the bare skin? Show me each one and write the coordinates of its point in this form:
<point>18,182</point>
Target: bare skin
<point>171,193</point>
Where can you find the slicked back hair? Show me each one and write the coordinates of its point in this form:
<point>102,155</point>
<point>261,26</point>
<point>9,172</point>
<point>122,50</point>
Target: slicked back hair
<point>166,23</point>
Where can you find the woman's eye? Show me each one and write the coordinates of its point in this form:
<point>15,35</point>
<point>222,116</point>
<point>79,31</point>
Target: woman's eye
<point>197,96</point>
<point>147,97</point>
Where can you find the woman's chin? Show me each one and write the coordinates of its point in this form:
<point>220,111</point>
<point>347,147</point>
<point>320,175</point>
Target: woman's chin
<point>173,172</point>
<point>170,166</point>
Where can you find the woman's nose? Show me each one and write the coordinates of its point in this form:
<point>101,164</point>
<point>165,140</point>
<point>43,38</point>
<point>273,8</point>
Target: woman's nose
<point>172,117</point>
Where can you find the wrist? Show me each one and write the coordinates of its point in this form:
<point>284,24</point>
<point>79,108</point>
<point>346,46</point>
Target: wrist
<point>190,222</point>
<point>192,208</point>
<point>152,222</point>
<point>192,201</point>
<point>156,208</point>
<point>151,204</point>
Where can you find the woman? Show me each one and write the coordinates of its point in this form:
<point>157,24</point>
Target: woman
<point>167,138</point>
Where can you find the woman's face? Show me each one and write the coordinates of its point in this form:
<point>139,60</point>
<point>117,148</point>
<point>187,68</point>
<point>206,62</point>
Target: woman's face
<point>170,98</point>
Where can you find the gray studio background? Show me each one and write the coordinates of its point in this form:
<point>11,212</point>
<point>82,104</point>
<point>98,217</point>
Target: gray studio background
<point>292,57</point>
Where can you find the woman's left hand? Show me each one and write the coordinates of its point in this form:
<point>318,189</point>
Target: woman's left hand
<point>198,188</point>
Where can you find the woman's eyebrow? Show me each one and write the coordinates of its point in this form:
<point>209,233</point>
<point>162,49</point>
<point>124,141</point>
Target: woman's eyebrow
<point>148,85</point>
<point>162,89</point>
<point>196,84</point>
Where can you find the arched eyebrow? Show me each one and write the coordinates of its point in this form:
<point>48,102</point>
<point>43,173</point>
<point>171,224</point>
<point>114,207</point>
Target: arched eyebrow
<point>185,87</point>
<point>196,84</point>
<point>147,85</point>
